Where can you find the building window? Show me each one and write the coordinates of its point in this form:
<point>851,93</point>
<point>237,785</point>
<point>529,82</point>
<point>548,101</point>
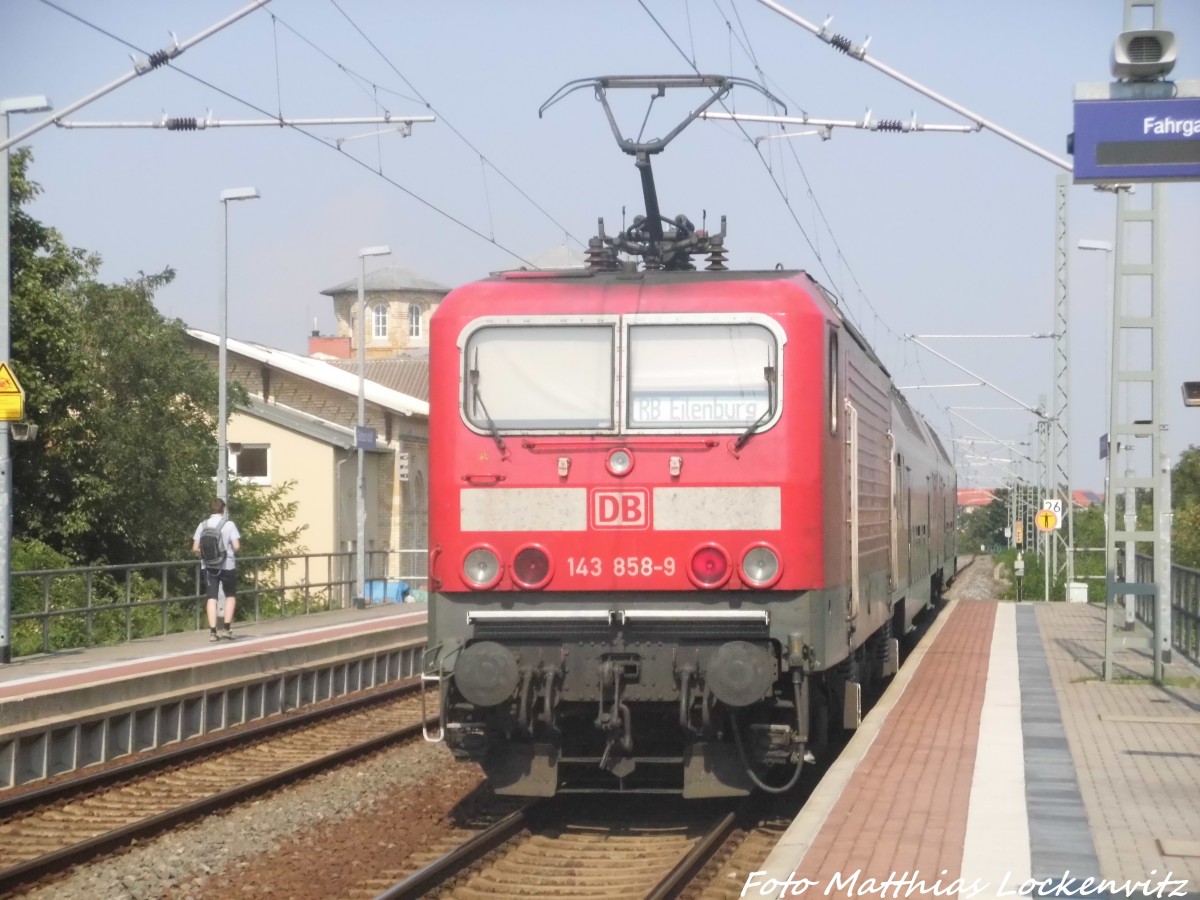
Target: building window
<point>379,322</point>
<point>414,321</point>
<point>252,463</point>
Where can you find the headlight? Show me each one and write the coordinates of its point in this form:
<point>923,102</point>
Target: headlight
<point>760,567</point>
<point>619,462</point>
<point>481,568</point>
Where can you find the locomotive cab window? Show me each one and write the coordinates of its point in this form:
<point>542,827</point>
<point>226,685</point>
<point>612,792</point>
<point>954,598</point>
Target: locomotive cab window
<point>700,376</point>
<point>539,377</point>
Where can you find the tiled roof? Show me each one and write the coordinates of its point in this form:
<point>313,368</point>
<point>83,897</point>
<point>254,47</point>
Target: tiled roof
<point>407,374</point>
<point>975,496</point>
<point>322,373</point>
<point>389,278</point>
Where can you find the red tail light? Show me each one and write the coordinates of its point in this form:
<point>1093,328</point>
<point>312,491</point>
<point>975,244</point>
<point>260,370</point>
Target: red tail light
<point>531,567</point>
<point>710,567</point>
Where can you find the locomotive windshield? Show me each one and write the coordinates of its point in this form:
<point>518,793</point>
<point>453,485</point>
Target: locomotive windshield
<point>698,376</point>
<point>674,376</point>
<point>541,377</point>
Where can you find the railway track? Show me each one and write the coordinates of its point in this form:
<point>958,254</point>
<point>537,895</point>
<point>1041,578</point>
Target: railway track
<point>46,830</point>
<point>553,849</point>
<point>549,849</point>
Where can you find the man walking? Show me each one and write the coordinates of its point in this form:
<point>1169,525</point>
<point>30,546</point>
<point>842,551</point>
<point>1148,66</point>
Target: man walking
<point>217,541</point>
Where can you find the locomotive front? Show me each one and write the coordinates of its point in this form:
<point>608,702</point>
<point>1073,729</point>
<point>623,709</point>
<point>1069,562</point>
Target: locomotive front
<point>626,517</point>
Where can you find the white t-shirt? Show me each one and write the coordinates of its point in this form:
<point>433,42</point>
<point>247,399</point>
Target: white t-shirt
<point>229,534</point>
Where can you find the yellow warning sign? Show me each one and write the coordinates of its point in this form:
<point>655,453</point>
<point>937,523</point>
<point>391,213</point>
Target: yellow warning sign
<point>12,396</point>
<point>1046,520</point>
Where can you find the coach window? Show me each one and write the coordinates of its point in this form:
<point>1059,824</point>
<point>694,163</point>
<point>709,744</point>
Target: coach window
<point>539,377</point>
<point>707,375</point>
<point>833,381</point>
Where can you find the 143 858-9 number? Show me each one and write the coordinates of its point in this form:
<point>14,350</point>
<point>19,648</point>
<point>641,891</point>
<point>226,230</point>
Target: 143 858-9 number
<point>620,566</point>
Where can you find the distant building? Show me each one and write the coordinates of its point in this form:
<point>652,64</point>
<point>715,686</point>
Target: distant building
<point>299,427</point>
<point>973,498</point>
<point>399,304</point>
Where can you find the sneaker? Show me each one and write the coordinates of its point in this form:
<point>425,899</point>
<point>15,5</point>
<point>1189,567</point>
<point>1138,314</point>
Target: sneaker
<point>227,633</point>
<point>212,636</point>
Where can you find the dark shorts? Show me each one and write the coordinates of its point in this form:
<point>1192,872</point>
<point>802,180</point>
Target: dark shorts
<point>226,577</point>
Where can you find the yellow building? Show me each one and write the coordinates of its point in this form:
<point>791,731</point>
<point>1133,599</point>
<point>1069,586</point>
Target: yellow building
<point>299,427</point>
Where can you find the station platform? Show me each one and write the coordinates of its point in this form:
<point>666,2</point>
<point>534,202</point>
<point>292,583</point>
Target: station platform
<point>64,711</point>
<point>1000,764</point>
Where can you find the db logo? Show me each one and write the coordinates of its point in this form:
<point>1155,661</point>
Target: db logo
<point>620,509</point>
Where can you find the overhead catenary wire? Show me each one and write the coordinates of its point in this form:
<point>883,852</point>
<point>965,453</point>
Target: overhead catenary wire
<point>335,146</point>
<point>193,123</point>
<point>783,195</point>
<point>859,52</point>
<point>445,121</point>
<point>892,126</point>
<point>902,340</point>
<point>140,67</point>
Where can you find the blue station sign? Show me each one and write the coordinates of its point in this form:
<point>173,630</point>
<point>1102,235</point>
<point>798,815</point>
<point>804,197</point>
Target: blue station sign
<point>1137,140</point>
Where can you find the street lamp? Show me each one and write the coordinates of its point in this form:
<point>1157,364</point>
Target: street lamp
<point>360,431</point>
<point>1107,248</point>
<point>18,105</point>
<point>243,193</point>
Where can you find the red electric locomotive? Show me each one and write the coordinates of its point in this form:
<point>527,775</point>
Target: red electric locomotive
<point>676,517</point>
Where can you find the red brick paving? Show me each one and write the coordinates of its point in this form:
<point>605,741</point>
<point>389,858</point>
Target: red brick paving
<point>905,808</point>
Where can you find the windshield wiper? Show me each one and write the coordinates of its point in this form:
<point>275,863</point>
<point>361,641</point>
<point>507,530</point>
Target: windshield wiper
<point>492,429</point>
<point>752,428</point>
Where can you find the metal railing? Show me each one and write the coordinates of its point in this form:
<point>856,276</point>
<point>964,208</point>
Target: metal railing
<point>62,609</point>
<point>1185,605</point>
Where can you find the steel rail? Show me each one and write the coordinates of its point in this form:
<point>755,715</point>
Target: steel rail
<point>32,870</point>
<point>220,741</point>
<point>674,882</point>
<point>443,869</point>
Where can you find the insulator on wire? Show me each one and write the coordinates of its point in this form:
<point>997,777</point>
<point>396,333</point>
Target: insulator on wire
<point>158,58</point>
<point>889,125</point>
<point>842,43</point>
<point>182,123</point>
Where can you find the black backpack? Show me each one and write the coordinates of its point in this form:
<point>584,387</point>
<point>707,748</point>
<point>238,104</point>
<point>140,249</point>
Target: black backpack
<point>212,548</point>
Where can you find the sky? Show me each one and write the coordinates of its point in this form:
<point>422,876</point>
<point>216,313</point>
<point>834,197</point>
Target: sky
<point>919,233</point>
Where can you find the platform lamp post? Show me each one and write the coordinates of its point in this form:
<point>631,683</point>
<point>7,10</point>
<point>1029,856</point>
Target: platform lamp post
<point>1106,248</point>
<point>242,193</point>
<point>360,433</point>
<point>15,105</point>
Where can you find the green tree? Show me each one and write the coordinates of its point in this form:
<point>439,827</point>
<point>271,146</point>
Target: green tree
<point>1185,501</point>
<point>121,470</point>
<point>984,525</point>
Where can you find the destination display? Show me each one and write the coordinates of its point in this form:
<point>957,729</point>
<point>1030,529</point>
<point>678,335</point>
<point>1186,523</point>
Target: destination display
<point>1137,140</point>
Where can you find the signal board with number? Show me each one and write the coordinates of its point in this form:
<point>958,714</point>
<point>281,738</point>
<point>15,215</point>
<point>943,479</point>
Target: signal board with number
<point>1054,505</point>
